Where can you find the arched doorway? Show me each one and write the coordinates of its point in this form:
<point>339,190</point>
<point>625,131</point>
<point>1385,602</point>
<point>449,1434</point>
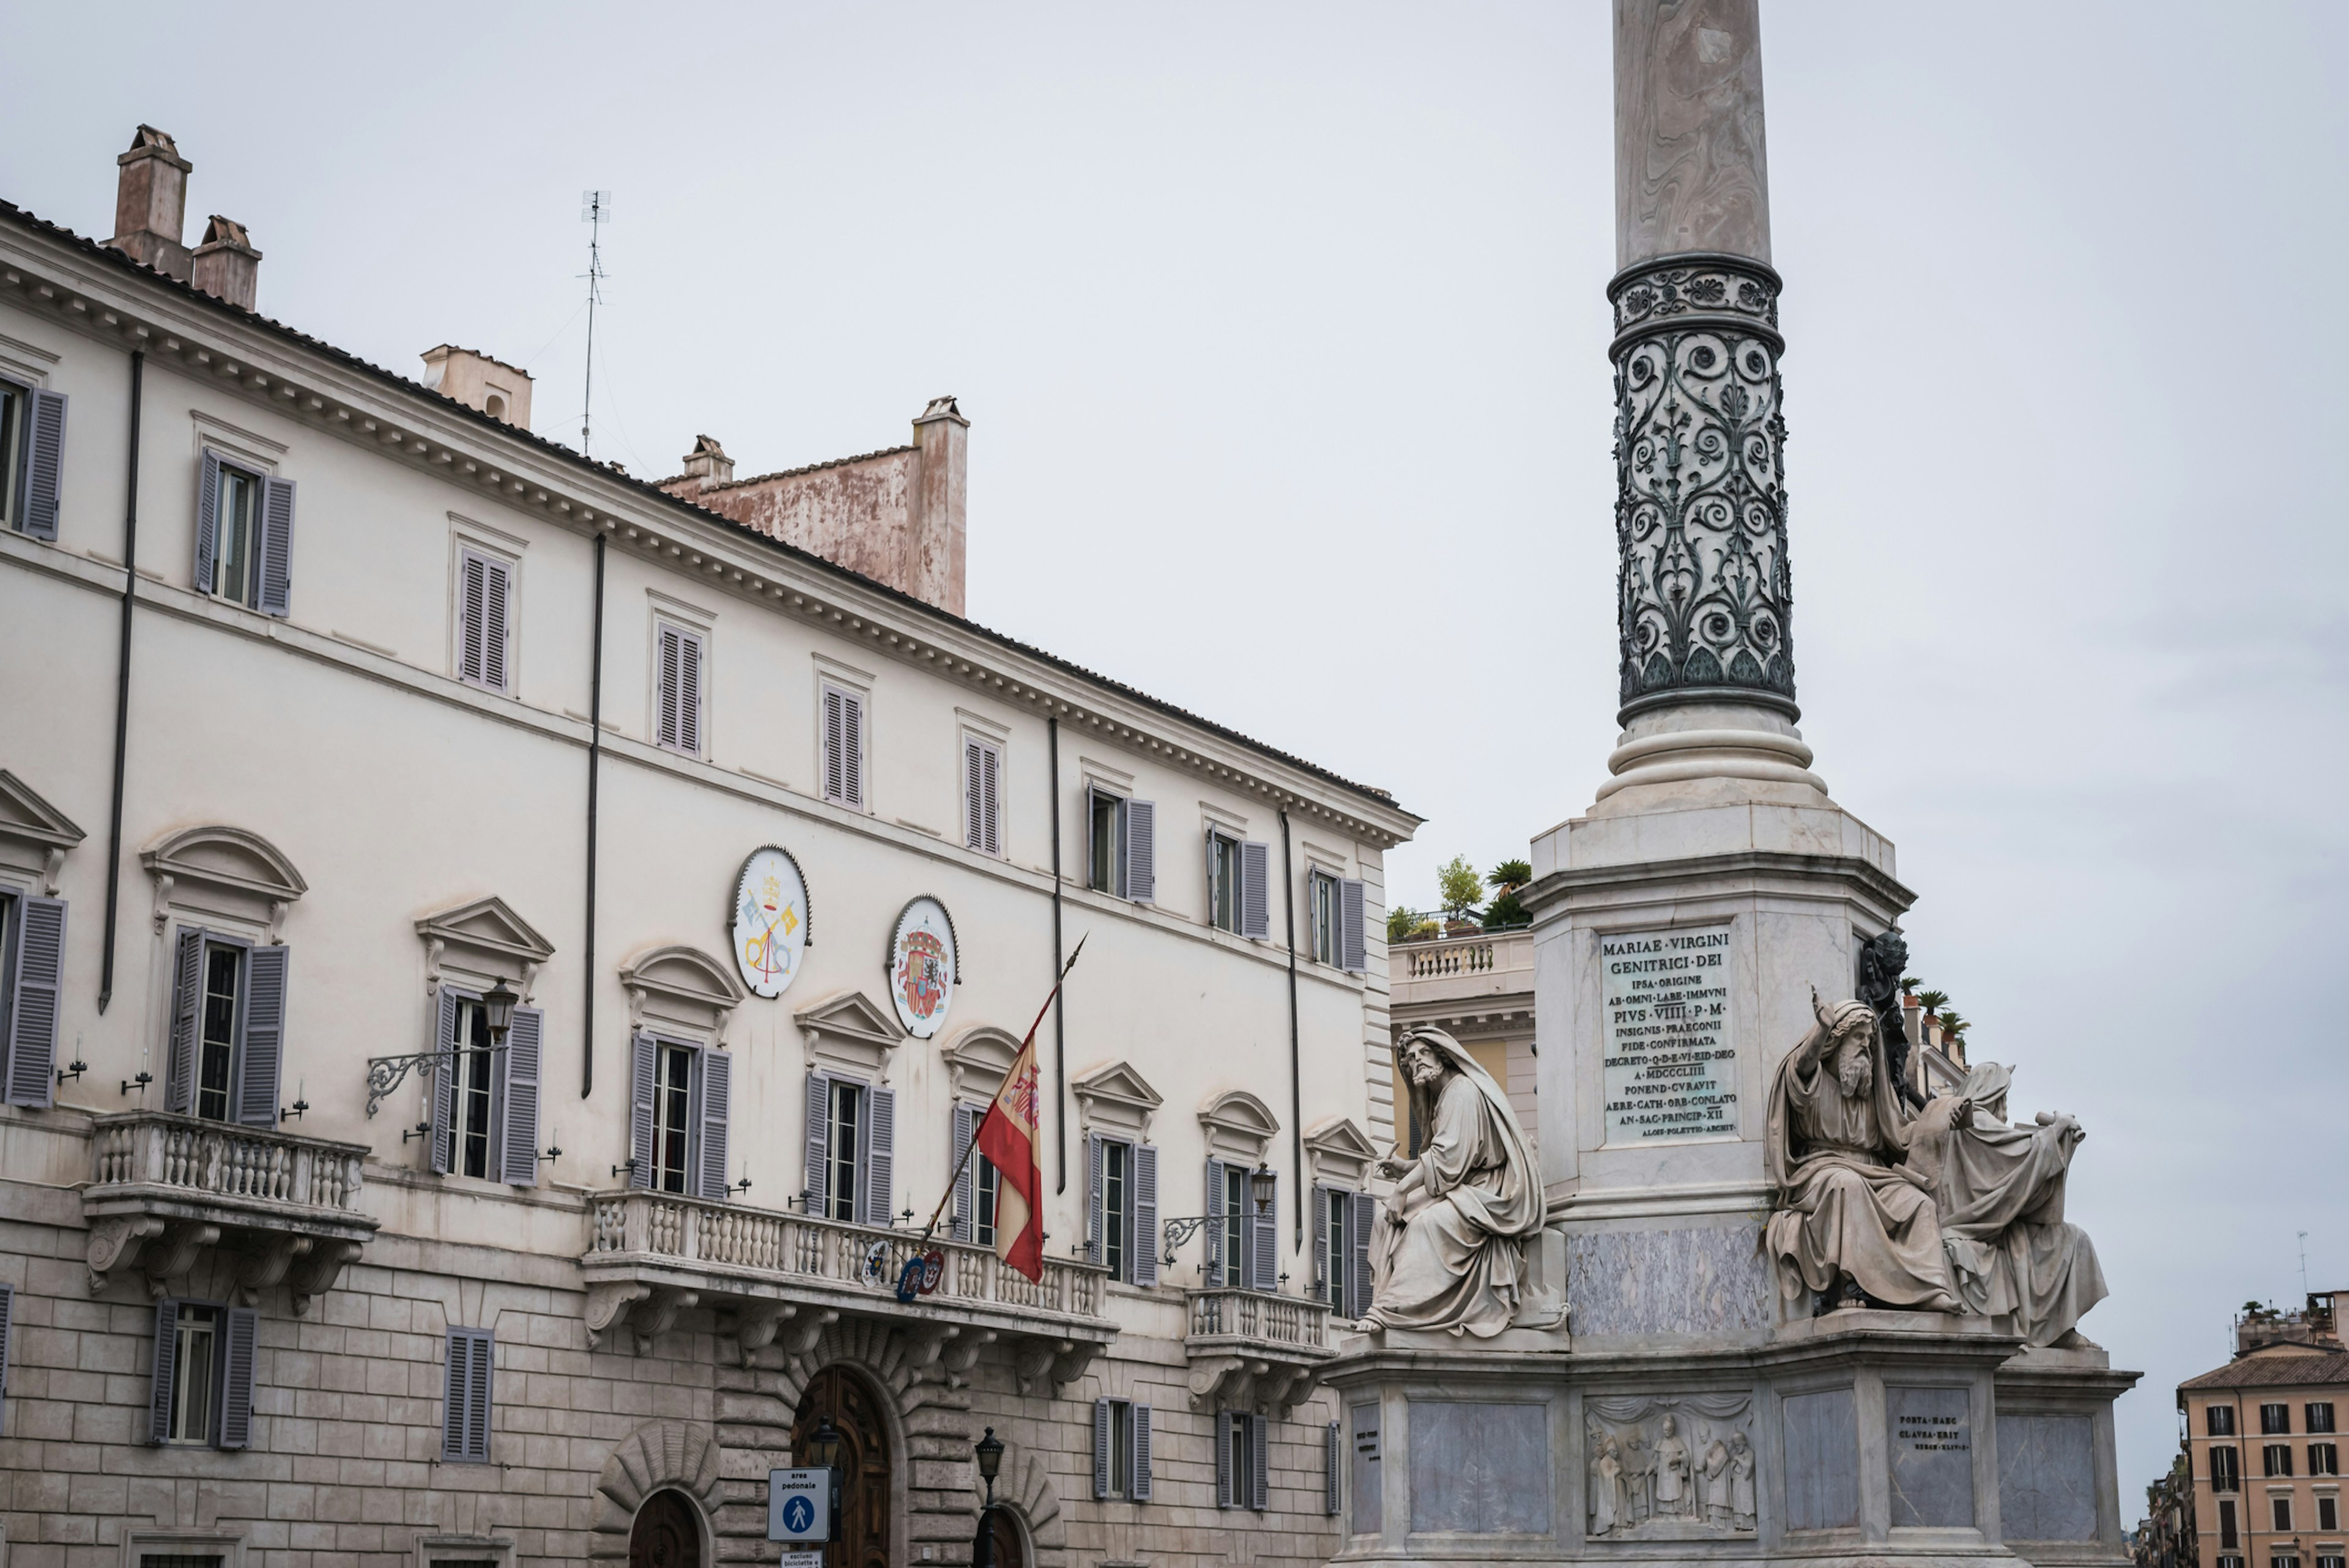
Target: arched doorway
<point>839,1396</point>
<point>1008,1542</point>
<point>666,1534</point>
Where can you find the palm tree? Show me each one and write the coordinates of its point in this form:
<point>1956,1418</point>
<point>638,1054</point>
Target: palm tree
<point>1932,1001</point>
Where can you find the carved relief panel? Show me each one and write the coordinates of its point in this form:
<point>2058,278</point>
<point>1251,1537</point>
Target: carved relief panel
<point>1670,1467</point>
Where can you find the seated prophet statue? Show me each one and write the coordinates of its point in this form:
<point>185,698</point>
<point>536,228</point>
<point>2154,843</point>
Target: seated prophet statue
<point>1999,1190</point>
<point>1853,1223</point>
<point>1448,1249</point>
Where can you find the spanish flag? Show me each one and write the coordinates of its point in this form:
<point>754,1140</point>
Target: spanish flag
<point>1007,1136</point>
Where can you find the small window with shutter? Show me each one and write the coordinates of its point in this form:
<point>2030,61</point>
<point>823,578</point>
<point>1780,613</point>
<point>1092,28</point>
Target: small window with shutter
<point>680,659</point>
<point>485,1093</point>
<point>32,960</point>
<point>202,1374</point>
<point>244,535</point>
<point>485,620</point>
<point>842,743</point>
<point>982,806</point>
<point>466,1410</point>
<point>1121,1450</point>
<point>225,1049</point>
<point>852,1149</point>
<point>32,451</point>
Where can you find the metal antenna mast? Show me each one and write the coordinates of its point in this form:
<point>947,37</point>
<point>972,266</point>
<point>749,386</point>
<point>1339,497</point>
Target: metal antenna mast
<point>2303,1262</point>
<point>594,208</point>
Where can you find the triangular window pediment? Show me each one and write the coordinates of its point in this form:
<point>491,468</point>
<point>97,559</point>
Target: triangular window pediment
<point>1116,1097</point>
<point>34,834</point>
<point>850,1034</point>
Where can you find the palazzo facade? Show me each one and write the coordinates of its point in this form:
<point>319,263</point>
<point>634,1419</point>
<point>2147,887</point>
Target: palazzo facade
<point>341,712</point>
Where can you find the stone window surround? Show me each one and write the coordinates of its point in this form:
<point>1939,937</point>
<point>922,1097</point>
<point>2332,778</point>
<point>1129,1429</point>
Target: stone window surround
<point>228,1545</point>
<point>681,991</point>
<point>1339,1153</point>
<point>685,616</point>
<point>476,944</point>
<point>1238,1127</point>
<point>848,1034</point>
<point>849,679</point>
<point>34,838</point>
<point>979,1061</point>
<point>1114,1100</point>
<point>506,550</point>
<point>970,725</point>
<point>431,1548</point>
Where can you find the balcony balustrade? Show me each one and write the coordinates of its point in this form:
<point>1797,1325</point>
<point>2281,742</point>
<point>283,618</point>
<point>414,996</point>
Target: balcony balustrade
<point>163,1187</point>
<point>1252,1350</point>
<point>785,1277</point>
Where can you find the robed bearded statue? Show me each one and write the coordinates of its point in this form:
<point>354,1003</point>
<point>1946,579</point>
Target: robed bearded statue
<point>1448,1249</point>
<point>1853,1222</point>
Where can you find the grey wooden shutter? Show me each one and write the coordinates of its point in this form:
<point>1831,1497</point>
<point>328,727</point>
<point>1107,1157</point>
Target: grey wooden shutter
<point>1141,851</point>
<point>1365,1210</point>
<point>1215,1212</point>
<point>187,1001</point>
<point>1256,891</point>
<point>878,1126</point>
<point>717,1112</point>
<point>1328,1272</point>
<point>158,1398</point>
<point>241,1331</point>
<point>1223,1478</point>
<point>818,1144</point>
<point>444,1079</point>
<point>44,451</point>
<point>1259,1491</point>
<point>276,546</point>
<point>990,801</point>
<point>1331,1450</point>
<point>472,584</point>
<point>518,1100</point>
<point>7,1316</point>
<point>974,820</point>
<point>31,1042</point>
<point>1095,1234</point>
<point>644,1062</point>
<point>1353,954</point>
<point>835,782</point>
<point>966,1167</point>
<point>1263,1235</point>
<point>1102,1416</point>
<point>671,723</point>
<point>1145,1214</point>
<point>688,694</point>
<point>497,598</point>
<point>1138,1487</point>
<point>208,474</point>
<point>852,749</point>
<point>467,1403</point>
<point>264,1036</point>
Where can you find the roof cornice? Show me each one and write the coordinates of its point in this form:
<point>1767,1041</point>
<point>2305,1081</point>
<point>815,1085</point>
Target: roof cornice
<point>107,295</point>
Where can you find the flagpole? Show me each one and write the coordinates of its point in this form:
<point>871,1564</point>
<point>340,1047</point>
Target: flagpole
<point>953,1180</point>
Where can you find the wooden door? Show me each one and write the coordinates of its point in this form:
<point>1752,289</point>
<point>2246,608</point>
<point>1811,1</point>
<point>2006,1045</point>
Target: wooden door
<point>666,1534</point>
<point>840,1396</point>
<point>1003,1531</point>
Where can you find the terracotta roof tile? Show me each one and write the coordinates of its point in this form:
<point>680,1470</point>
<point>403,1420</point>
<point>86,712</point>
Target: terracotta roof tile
<point>2258,1371</point>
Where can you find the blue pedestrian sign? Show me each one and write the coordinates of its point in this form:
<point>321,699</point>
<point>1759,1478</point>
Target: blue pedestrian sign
<point>799,1505</point>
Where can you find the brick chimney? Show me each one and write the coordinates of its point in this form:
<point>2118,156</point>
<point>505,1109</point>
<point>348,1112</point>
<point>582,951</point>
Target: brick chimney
<point>941,539</point>
<point>498,389</point>
<point>151,203</point>
<point>226,265</point>
<point>709,464</point>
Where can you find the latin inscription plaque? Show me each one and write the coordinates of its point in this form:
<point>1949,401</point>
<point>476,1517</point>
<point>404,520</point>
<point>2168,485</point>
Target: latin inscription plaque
<point>1931,1432</point>
<point>1672,1060</point>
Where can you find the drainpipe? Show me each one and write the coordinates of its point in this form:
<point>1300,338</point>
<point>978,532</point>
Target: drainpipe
<point>122,686</point>
<point>1060,1037</point>
<point>594,758</point>
<point>1295,1088</point>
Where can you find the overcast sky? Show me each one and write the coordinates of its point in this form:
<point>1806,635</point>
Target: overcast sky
<point>1282,334</point>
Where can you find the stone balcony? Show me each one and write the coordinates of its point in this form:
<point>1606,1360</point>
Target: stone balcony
<point>1464,969</point>
<point>783,1278</point>
<point>162,1188</point>
<point>1250,1350</point>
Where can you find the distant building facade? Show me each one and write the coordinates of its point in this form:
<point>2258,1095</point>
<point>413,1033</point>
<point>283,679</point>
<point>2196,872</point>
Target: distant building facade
<point>496,979</point>
<point>2262,1444</point>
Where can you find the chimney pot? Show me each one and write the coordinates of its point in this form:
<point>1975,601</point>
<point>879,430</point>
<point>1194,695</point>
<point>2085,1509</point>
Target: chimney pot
<point>151,203</point>
<point>226,266</point>
<point>496,388</point>
<point>709,463</point>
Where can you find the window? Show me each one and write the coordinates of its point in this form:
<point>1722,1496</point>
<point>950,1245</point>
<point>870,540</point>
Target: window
<point>484,599</point>
<point>977,1183</point>
<point>1229,1205</point>
<point>2328,1510</point>
<point>2320,1416</point>
<point>2323,1459</point>
<point>202,1382</point>
<point>844,747</point>
<point>244,535</point>
<point>1342,1250</point>
<point>2227,1532</point>
<point>1223,882</point>
<point>471,1124</point>
<point>850,1149</point>
<point>8,1317</point>
<point>2275,1420</point>
<point>1241,1478</point>
<point>1122,1233</point>
<point>485,1096</point>
<point>2329,1559</point>
<point>2284,1559</point>
<point>1336,918</point>
<point>228,1029</point>
<point>982,773</point>
<point>2224,1475</point>
<point>2219,1419</point>
<point>1121,839</point>
<point>681,1097</point>
<point>2276,1460</point>
<point>32,959</point>
<point>465,1410</point>
<point>32,445</point>
<point>2279,1510</point>
<point>2231,1563</point>
<point>678,725</point>
<point>1121,1450</point>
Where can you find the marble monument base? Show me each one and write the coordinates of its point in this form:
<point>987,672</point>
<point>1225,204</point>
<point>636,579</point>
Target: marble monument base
<point>1863,1437</point>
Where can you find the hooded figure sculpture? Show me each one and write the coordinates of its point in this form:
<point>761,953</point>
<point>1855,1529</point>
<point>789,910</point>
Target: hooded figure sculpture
<point>1448,1249</point>
<point>1849,1211</point>
<point>2000,1192</point>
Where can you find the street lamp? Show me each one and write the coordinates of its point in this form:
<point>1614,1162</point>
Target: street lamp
<point>497,1001</point>
<point>824,1453</point>
<point>990,1461</point>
